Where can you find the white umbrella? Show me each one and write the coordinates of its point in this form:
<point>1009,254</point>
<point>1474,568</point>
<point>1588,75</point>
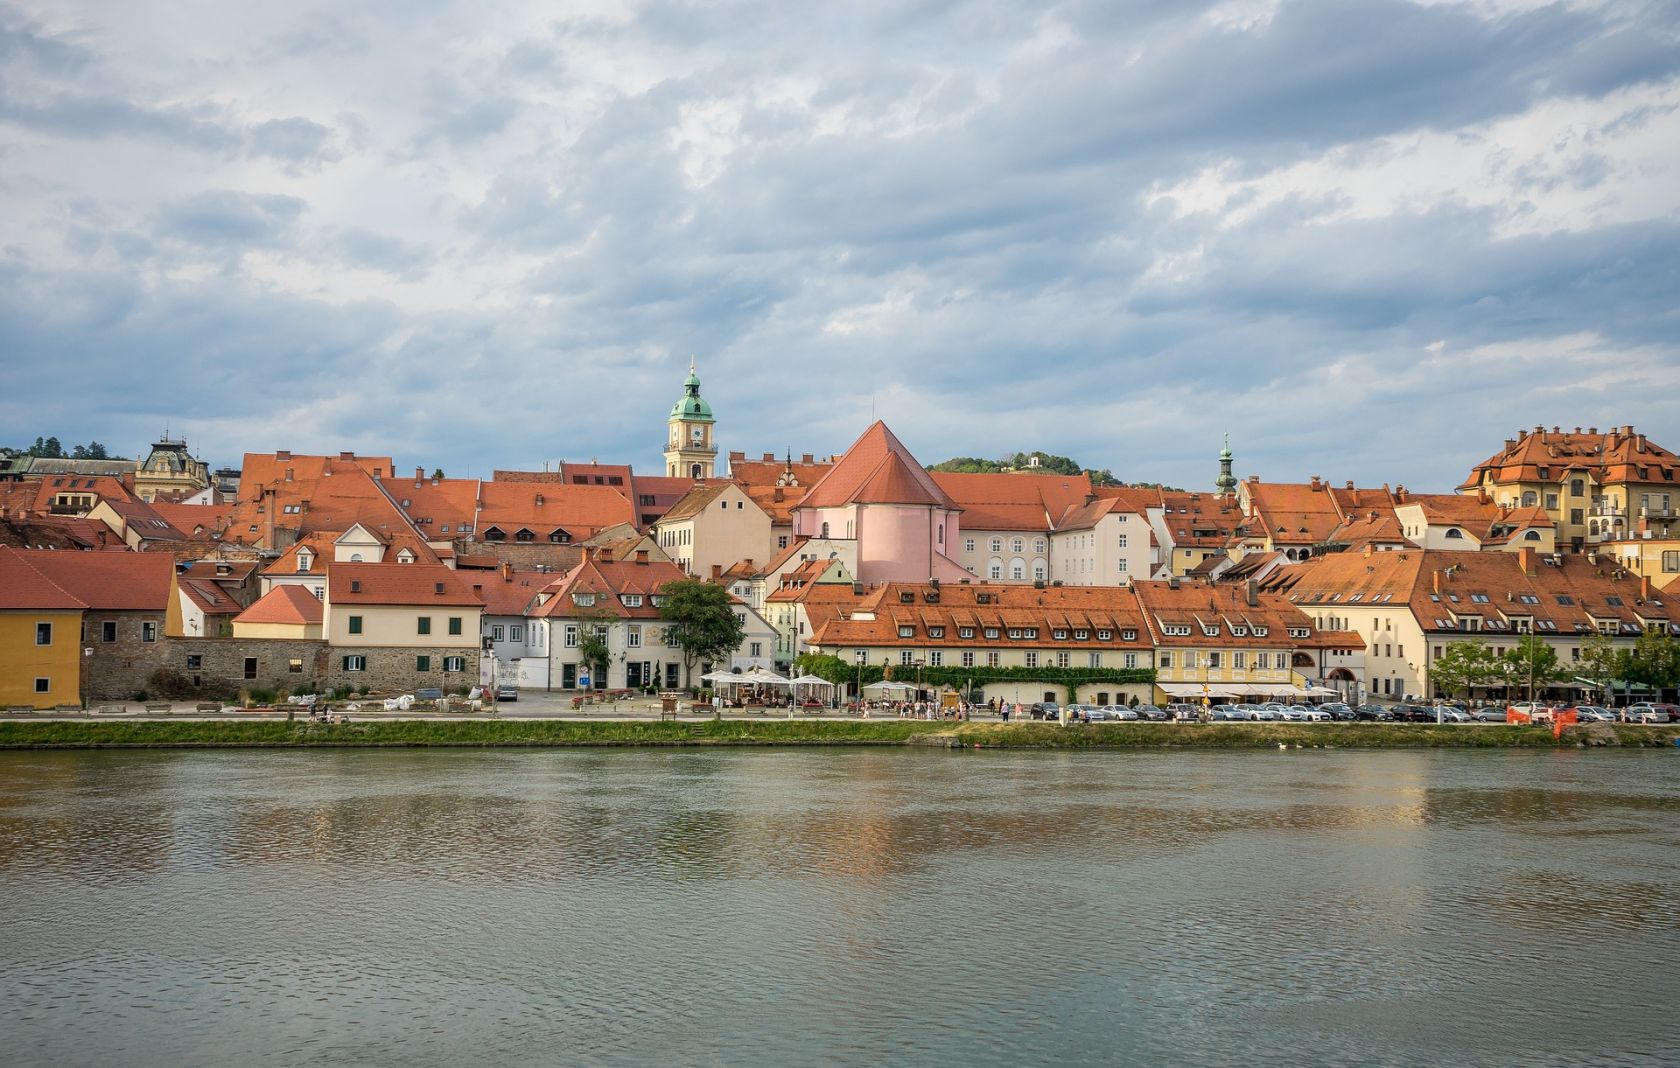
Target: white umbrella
<point>761,677</point>
<point>812,680</point>
<point>891,687</point>
<point>722,676</point>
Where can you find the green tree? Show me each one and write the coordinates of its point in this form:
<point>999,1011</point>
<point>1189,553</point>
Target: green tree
<point>437,472</point>
<point>1654,660</point>
<point>824,666</point>
<point>1462,666</point>
<point>593,650</point>
<point>1531,664</point>
<point>1603,663</point>
<point>93,450</point>
<point>700,619</point>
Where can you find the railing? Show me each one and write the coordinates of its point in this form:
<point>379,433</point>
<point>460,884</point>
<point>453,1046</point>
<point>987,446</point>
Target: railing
<point>687,447</point>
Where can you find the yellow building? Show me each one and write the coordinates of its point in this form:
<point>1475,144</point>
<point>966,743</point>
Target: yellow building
<point>286,611</point>
<point>40,630</point>
<point>1595,487</point>
<point>170,472</point>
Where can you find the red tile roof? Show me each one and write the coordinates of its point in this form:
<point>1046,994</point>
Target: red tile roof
<point>1019,501</point>
<point>1620,455</point>
<point>865,464</point>
<point>288,603</point>
<point>609,581</point>
<point>116,581</point>
<point>397,584</point>
<point>544,508</point>
<point>22,586</point>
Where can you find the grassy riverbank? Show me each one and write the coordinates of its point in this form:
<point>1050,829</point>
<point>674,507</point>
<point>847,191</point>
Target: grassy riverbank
<point>83,734</point>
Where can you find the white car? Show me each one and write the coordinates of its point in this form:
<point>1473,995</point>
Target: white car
<point>1315,715</point>
<point>1454,715</point>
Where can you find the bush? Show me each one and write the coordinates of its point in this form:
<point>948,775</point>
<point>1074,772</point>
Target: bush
<point>260,696</point>
<point>339,693</point>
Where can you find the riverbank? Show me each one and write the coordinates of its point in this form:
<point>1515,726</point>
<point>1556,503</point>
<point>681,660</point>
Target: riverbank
<point>71,734</point>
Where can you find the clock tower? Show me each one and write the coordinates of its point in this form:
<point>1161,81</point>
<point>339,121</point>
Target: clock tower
<point>690,451</point>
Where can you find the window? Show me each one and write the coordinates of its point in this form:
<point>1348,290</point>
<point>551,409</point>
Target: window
<point>1214,659</point>
<point>1122,541</point>
<point>633,638</point>
<point>571,639</point>
<point>515,633</point>
<point>194,662</point>
<point>355,663</point>
<point>455,626</point>
<point>1063,660</point>
<point>1032,660</point>
<point>43,684</point>
<point>936,632</point>
<point>355,624</point>
<point>968,545</point>
<point>43,634</point>
<point>425,624</point>
<point>968,659</point>
<point>1018,569</point>
<point>906,657</point>
<point>1124,567</point>
<point>991,633</point>
<point>1015,632</point>
<point>294,666</point>
<point>422,663</point>
<point>991,660</point>
<point>1038,545</point>
<point>756,649</point>
<point>496,633</point>
<point>1671,560</point>
<point>1129,660</point>
<point>454,663</point>
<point>584,600</point>
<point>108,630</point>
<point>1165,660</point>
<point>965,632</point>
<point>1262,661</point>
<point>995,570</point>
<point>632,600</point>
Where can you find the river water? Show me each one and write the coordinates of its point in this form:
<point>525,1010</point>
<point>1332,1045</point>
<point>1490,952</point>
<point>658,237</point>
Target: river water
<point>793,907</point>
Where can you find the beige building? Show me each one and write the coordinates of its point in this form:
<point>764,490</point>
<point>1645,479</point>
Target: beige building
<point>287,611</point>
<point>1595,487</point>
<point>170,473</point>
<point>1411,606</point>
<point>420,606</point>
<point>714,526</point>
<point>1458,522</point>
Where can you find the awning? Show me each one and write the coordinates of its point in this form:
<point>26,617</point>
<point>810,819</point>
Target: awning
<point>1194,689</point>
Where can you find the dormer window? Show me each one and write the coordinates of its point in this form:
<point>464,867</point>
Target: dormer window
<point>304,560</point>
<point>907,632</point>
<point>584,600</point>
<point>523,535</point>
<point>936,632</point>
<point>355,585</point>
<point>632,600</point>
<point>405,557</point>
<point>1059,635</point>
<point>991,632</point>
<point>1030,633</point>
<point>965,632</point>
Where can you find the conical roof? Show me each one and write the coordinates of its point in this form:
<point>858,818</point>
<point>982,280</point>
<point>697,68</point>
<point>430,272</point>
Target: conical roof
<point>691,408</point>
<point>877,469</point>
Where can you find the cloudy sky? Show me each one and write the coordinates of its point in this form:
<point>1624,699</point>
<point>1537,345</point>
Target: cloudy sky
<point>1368,238</point>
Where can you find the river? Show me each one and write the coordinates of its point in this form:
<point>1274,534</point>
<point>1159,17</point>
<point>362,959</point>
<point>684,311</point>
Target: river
<point>814,907</point>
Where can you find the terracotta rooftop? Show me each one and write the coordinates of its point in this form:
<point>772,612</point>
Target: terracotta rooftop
<point>1549,456</point>
<point>864,472</point>
<point>114,581</point>
<point>397,584</point>
<point>23,586</point>
<point>288,603</point>
<point>1013,501</point>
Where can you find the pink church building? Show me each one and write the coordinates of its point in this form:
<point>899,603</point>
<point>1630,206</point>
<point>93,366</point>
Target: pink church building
<point>880,496</point>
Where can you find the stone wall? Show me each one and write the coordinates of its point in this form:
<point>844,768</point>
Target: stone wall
<point>216,667</point>
<point>116,670</point>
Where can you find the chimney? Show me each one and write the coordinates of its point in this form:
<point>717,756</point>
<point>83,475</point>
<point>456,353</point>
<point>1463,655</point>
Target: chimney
<point>1435,582</point>
<point>269,504</point>
<point>289,474</point>
<point>507,571</point>
<point>1510,443</point>
<point>1350,483</point>
<point>1640,447</point>
<point>604,554</point>
<point>1593,430</point>
<point>1251,593</point>
<point>1317,483</point>
<point>1526,555</point>
<point>1644,587</point>
<point>642,557</point>
<point>378,473</point>
<point>805,458</point>
<point>283,455</point>
<point>478,589</point>
<point>419,476</point>
<point>769,457</point>
<point>717,572</point>
<point>347,456</point>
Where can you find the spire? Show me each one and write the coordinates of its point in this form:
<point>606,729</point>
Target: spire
<point>1226,484</point>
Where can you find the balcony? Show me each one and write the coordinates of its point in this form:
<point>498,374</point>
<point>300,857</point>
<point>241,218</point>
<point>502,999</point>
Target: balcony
<point>710,450</point>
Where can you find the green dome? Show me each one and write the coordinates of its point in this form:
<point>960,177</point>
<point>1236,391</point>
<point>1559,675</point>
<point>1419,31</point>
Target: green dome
<point>691,408</point>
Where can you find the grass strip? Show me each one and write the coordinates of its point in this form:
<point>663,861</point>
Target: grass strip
<point>83,734</point>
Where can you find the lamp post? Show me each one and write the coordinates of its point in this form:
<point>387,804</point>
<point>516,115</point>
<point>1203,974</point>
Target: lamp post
<point>920,662</point>
<point>862,655</point>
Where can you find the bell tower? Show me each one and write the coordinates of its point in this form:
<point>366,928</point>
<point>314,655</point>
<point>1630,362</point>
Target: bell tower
<point>1226,484</point>
<point>690,451</point>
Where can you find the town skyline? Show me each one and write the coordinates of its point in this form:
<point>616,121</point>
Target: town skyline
<point>487,239</point>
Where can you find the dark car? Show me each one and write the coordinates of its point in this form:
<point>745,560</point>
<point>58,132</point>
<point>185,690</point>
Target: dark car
<point>1151,712</point>
<point>1339,710</point>
<point>1413,714</point>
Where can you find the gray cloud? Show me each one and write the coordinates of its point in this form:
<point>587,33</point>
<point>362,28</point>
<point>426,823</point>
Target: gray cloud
<point>941,210</point>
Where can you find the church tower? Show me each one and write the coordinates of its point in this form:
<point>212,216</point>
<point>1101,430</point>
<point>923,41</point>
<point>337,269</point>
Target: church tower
<point>1226,484</point>
<point>690,451</point>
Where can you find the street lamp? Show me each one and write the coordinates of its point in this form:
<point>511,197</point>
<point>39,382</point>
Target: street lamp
<point>862,655</point>
<point>919,664</point>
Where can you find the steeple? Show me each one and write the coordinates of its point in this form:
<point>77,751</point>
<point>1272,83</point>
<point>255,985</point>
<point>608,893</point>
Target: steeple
<point>1226,484</point>
<point>689,449</point>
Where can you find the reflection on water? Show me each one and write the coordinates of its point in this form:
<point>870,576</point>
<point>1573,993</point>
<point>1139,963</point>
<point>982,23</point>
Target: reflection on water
<point>794,907</point>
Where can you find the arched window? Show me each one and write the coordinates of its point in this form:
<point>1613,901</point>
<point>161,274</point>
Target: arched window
<point>997,545</point>
<point>694,472</point>
<point>1018,545</point>
<point>994,569</point>
<point>1454,532</point>
<point>1017,568</point>
<point>942,533</point>
<point>1592,528</point>
<point>1040,571</point>
<point>825,530</point>
<point>1533,535</point>
<point>1529,499</point>
<point>355,558</point>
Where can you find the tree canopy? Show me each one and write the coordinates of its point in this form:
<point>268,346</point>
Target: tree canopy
<point>1531,663</point>
<point>53,449</point>
<point>700,620</point>
<point>1463,666</point>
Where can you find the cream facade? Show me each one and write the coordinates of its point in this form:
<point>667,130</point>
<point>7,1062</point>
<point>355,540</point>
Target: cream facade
<point>715,527</point>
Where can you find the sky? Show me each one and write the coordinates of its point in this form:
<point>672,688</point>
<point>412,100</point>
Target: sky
<point>1368,239</point>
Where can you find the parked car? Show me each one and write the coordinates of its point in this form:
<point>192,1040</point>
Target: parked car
<point>1120,712</point>
<point>1651,712</point>
<point>507,691</point>
<point>1489,714</point>
<point>1339,710</point>
<point>1150,712</point>
<point>1182,710</point>
<point>1314,714</point>
<point>1372,713</point>
<point>1226,713</point>
<point>1453,714</point>
<point>1593,714</point>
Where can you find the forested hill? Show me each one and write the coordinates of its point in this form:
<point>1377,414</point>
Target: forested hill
<point>1046,464</point>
